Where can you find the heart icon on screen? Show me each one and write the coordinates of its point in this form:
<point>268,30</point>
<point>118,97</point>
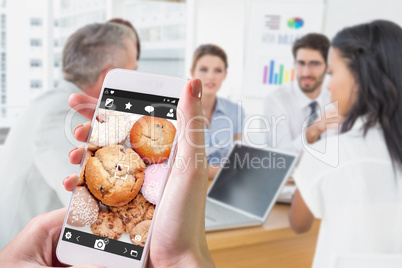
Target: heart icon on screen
<point>111,91</point>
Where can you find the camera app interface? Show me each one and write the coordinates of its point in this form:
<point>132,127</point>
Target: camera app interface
<point>122,173</point>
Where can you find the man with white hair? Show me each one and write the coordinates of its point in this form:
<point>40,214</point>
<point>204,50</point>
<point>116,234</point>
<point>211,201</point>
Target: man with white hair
<point>34,160</point>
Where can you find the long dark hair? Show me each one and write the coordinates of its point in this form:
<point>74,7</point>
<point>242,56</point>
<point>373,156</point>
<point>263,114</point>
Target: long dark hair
<point>373,52</point>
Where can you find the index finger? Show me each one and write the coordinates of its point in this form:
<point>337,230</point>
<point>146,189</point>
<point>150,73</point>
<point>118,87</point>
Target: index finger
<point>83,104</point>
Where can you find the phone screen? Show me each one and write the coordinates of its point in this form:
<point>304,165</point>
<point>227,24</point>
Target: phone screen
<point>122,173</point>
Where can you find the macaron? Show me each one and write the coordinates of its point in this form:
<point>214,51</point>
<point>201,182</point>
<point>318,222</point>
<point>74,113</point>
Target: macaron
<point>153,178</point>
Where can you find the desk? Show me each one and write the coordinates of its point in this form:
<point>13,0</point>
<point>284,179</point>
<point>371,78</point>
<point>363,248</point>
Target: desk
<point>272,245</point>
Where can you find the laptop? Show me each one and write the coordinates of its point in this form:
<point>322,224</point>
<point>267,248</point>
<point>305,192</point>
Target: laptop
<point>246,187</point>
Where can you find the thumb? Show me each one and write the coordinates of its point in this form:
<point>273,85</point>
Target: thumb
<point>191,121</point>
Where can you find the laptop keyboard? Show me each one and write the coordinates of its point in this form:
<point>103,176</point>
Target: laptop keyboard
<point>217,213</point>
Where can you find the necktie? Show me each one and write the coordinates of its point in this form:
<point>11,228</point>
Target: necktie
<point>313,114</point>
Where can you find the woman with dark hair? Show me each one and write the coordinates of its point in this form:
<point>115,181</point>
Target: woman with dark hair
<point>223,118</point>
<point>360,199</point>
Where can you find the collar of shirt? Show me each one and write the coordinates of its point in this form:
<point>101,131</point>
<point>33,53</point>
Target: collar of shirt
<point>219,109</point>
<point>303,100</point>
<point>359,123</point>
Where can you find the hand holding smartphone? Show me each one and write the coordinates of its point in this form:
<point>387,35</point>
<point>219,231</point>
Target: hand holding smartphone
<point>119,233</point>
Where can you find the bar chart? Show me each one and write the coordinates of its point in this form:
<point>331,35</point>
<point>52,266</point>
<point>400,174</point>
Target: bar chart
<point>275,73</point>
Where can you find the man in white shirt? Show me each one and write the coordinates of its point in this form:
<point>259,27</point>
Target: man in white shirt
<point>291,108</point>
<point>34,160</point>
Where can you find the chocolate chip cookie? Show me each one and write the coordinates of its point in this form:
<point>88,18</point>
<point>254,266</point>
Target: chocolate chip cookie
<point>149,214</point>
<point>139,234</point>
<point>132,213</point>
<point>108,225</point>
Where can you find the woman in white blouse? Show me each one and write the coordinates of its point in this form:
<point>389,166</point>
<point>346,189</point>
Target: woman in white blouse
<point>360,200</point>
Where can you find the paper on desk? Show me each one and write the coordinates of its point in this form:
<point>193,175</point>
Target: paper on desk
<point>286,195</point>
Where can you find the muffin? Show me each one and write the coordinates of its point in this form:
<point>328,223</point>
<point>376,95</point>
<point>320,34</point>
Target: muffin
<point>114,175</point>
<point>152,138</point>
<point>81,177</point>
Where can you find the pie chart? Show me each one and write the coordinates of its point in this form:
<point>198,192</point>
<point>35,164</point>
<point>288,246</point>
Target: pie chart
<point>295,23</point>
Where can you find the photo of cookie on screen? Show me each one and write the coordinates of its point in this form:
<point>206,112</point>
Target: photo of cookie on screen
<point>121,176</point>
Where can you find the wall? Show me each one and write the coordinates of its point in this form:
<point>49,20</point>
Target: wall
<point>224,23</point>
<point>342,13</point>
<point>18,53</point>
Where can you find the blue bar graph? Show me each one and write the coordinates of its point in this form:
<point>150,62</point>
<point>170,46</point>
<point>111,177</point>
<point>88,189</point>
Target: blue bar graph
<point>271,72</point>
<point>282,76</point>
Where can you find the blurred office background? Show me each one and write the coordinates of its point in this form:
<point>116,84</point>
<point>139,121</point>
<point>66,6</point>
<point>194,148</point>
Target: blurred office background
<point>33,33</point>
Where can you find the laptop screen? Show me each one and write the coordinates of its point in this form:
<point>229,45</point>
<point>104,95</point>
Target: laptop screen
<point>250,178</point>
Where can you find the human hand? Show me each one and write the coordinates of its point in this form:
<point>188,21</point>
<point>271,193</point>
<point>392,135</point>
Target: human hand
<point>178,237</point>
<point>35,245</point>
<point>330,120</point>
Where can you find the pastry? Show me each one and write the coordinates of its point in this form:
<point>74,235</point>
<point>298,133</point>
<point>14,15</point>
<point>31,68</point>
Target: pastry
<point>84,208</point>
<point>140,203</point>
<point>139,234</point>
<point>108,225</point>
<point>153,178</point>
<point>81,177</point>
<point>149,214</point>
<point>132,213</point>
<point>109,128</point>
<point>152,138</point>
<point>114,175</point>
<point>130,217</point>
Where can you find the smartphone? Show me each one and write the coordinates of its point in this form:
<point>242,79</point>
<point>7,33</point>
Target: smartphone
<point>129,154</point>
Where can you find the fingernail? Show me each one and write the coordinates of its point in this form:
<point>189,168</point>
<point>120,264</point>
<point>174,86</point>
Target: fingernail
<point>196,88</point>
<point>72,151</point>
<point>77,128</point>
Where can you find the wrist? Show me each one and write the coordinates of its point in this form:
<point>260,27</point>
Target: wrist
<point>194,256</point>
<point>187,260</point>
<point>312,134</point>
<point>198,258</point>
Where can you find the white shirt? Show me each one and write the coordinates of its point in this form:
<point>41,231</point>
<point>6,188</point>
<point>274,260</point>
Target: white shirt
<point>34,161</point>
<point>359,201</point>
<point>290,106</point>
